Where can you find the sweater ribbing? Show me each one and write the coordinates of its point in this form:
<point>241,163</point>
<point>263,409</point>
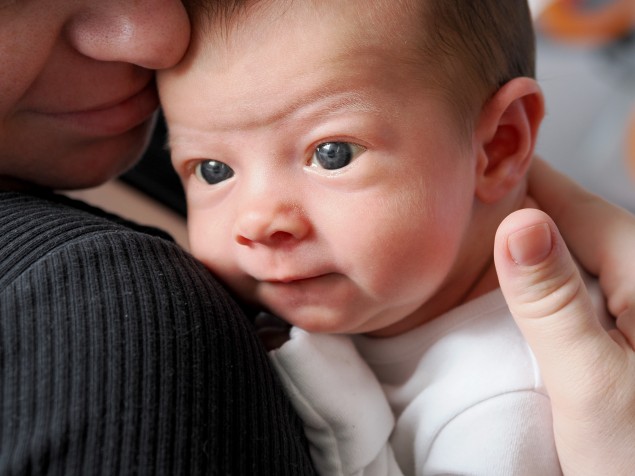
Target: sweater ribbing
<point>119,354</point>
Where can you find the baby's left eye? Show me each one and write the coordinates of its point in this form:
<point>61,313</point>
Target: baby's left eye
<point>335,155</point>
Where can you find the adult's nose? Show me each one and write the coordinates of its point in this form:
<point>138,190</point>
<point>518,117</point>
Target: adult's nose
<point>153,34</point>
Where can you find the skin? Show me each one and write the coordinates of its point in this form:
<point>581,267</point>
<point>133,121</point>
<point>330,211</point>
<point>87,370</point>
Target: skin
<point>589,372</point>
<point>86,53</point>
<point>77,97</point>
<point>389,238</point>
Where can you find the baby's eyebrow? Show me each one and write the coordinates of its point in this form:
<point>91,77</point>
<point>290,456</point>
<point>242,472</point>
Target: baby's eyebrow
<point>354,101</point>
<point>319,103</point>
<point>326,103</point>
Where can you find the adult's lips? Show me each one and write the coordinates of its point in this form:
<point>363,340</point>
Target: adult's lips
<point>110,117</point>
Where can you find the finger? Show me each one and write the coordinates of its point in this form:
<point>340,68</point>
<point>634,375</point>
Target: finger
<point>626,325</point>
<point>548,186</point>
<point>548,299</point>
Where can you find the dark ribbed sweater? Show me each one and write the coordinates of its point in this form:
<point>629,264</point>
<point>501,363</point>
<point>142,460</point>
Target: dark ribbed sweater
<point>119,354</point>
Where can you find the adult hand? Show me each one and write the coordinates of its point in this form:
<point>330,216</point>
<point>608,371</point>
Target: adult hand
<point>589,372</point>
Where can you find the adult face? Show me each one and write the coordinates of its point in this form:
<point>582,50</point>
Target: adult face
<point>329,185</point>
<point>77,94</point>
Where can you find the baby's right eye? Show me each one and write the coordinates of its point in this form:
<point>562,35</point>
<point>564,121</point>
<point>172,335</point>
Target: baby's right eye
<point>213,171</point>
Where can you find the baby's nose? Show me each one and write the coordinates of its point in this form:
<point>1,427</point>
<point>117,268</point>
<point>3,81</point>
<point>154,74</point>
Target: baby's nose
<point>271,224</point>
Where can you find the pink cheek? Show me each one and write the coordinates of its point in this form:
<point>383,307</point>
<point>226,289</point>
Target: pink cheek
<point>203,241</point>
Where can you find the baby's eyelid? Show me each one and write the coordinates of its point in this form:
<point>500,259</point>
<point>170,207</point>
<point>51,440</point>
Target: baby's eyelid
<point>356,145</point>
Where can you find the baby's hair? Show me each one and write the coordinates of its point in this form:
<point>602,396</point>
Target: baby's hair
<point>472,47</point>
<point>479,45</point>
<point>224,12</point>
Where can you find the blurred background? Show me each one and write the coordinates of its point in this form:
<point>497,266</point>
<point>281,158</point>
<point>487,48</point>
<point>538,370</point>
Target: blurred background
<point>586,67</point>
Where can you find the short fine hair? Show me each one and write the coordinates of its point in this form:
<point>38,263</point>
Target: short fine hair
<point>475,45</point>
<point>479,45</point>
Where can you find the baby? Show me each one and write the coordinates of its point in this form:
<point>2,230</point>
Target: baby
<point>346,166</point>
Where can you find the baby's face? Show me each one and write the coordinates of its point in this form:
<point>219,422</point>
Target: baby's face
<point>324,182</point>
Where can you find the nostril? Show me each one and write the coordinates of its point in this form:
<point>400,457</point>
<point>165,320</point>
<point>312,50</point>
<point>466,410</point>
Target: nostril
<point>275,239</point>
<point>280,237</point>
<point>242,240</point>
<point>269,226</point>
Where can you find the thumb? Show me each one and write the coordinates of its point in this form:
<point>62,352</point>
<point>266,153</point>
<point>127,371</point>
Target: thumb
<point>549,301</point>
<point>587,371</point>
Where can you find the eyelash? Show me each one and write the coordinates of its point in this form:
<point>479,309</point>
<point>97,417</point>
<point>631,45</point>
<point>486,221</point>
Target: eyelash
<point>333,158</point>
<point>193,167</point>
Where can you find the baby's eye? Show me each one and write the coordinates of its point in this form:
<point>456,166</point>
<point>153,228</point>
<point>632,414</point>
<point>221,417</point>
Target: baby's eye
<point>213,171</point>
<point>335,155</point>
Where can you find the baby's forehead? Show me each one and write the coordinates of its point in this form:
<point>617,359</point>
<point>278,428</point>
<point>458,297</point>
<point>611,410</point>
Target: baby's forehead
<point>321,26</point>
<point>324,30</point>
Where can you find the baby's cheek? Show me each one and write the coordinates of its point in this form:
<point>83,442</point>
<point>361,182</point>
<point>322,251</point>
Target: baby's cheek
<point>196,241</point>
<point>206,244</point>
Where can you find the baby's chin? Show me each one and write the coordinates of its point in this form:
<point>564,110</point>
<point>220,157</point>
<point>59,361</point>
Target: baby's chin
<point>316,319</point>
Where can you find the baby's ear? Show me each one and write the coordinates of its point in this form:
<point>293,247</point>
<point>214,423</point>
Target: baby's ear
<point>505,135</point>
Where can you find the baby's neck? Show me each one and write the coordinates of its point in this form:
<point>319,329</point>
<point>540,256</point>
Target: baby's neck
<point>488,279</point>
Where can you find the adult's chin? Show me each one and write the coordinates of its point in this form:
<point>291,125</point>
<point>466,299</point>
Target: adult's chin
<point>92,163</point>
